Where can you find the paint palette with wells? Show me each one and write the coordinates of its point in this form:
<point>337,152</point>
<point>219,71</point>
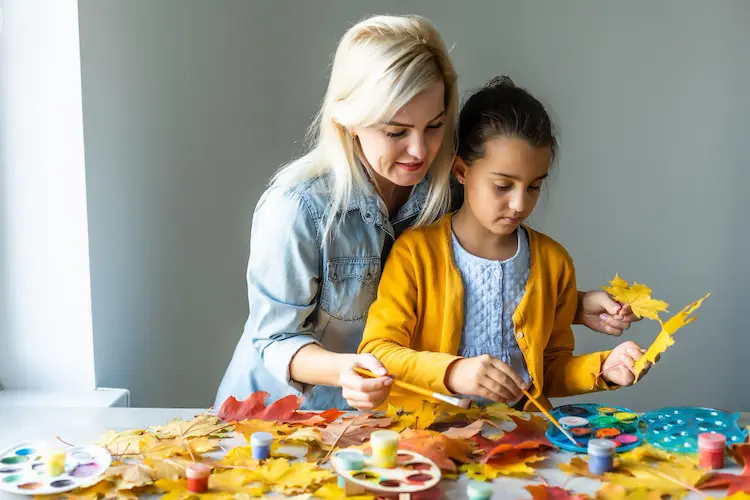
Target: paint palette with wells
<point>413,473</point>
<point>676,429</point>
<point>24,469</point>
<point>595,421</point>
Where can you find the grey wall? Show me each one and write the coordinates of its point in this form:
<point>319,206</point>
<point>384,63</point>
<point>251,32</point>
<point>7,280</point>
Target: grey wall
<point>190,106</point>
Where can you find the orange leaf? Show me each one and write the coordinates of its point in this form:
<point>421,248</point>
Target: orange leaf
<point>326,417</point>
<point>438,448</point>
<point>357,433</point>
<point>466,432</point>
<point>542,492</point>
<point>528,435</point>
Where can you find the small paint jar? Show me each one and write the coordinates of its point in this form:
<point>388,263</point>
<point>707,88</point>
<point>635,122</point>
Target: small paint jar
<point>55,462</point>
<point>384,446</point>
<point>261,444</point>
<point>711,450</point>
<point>601,455</point>
<point>479,491</point>
<point>197,477</point>
<point>349,461</point>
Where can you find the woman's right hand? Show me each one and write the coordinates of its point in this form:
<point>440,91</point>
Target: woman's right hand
<point>364,393</point>
<point>485,376</point>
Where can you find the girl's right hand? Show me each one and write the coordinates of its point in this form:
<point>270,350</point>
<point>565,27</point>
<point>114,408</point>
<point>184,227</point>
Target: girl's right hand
<point>364,393</point>
<point>485,376</point>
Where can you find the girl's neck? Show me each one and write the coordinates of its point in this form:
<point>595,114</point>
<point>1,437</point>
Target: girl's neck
<point>478,241</point>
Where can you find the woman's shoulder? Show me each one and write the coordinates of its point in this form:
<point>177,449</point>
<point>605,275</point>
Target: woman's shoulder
<point>309,195</point>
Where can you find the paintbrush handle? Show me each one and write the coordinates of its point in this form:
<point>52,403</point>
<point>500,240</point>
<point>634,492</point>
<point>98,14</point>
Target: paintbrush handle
<point>461,403</point>
<point>550,417</point>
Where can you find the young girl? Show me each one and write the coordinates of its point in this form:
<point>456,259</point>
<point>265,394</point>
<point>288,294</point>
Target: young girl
<point>478,304</point>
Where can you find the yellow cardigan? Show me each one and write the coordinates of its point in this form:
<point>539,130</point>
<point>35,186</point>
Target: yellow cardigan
<point>414,326</point>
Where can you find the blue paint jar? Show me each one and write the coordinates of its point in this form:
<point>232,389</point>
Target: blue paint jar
<point>348,461</point>
<point>261,444</point>
<point>601,456</point>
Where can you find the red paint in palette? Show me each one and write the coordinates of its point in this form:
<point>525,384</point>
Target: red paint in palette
<point>420,478</point>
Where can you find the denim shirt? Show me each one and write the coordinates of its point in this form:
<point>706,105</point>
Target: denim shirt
<point>302,292</point>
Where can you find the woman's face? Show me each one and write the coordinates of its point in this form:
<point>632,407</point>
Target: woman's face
<point>401,151</point>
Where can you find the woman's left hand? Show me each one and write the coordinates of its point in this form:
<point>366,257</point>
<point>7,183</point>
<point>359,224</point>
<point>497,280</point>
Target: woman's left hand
<point>600,312</point>
<point>619,367</point>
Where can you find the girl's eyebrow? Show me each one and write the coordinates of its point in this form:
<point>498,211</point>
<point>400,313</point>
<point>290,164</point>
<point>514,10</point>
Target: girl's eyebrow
<point>515,177</point>
<point>408,125</point>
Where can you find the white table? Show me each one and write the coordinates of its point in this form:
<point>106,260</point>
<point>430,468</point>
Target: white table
<point>85,425</point>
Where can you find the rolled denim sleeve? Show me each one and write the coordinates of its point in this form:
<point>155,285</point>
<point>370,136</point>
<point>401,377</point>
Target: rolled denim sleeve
<point>283,278</point>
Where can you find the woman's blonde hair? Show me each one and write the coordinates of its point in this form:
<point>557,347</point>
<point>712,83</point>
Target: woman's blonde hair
<point>381,63</point>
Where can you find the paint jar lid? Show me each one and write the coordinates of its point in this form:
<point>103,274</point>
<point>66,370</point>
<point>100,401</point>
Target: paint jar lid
<point>197,471</point>
<point>601,447</point>
<point>712,441</point>
<point>479,491</point>
<point>348,460</point>
<point>261,439</point>
<point>384,438</point>
<point>569,422</point>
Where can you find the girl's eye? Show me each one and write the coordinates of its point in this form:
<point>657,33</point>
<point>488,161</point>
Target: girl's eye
<point>395,134</point>
<point>535,188</point>
<point>503,188</point>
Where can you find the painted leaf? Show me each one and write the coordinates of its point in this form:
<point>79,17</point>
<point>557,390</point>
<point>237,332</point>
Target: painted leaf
<point>543,492</point>
<point>202,426</point>
<point>638,296</point>
<point>665,337</point>
<point>248,427</point>
<point>736,483</point>
<point>438,448</point>
<point>355,434</point>
<point>331,491</point>
<point>121,443</point>
<point>675,478</point>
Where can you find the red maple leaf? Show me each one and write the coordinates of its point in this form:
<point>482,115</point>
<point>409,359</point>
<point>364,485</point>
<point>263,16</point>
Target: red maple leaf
<point>528,435</point>
<point>542,492</point>
<point>253,407</point>
<point>735,482</point>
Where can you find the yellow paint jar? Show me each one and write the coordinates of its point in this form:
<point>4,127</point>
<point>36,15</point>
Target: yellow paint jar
<point>55,462</point>
<point>384,446</point>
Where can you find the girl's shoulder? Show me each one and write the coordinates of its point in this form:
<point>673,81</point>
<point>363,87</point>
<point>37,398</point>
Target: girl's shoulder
<point>547,248</point>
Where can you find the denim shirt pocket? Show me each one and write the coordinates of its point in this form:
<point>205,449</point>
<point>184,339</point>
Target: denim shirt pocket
<point>350,286</point>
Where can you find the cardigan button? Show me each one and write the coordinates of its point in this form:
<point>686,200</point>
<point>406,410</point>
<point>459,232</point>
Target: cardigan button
<point>520,335</point>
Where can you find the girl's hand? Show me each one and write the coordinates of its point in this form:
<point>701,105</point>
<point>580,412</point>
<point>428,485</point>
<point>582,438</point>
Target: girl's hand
<point>365,393</point>
<point>600,312</point>
<point>485,376</point>
<point>619,367</point>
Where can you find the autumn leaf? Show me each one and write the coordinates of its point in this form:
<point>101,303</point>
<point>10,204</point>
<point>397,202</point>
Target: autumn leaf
<point>616,492</point>
<point>253,407</point>
<point>665,337</point>
<point>240,456</point>
<point>248,427</point>
<point>152,447</point>
<point>674,478</point>
<point>177,490</point>
<point>421,418</point>
<point>358,430</point>
<point>438,448</point>
<point>331,491</point>
<point>527,435</point>
<point>121,443</point>
<point>130,475</point>
<point>737,483</point>
<point>168,468</point>
<point>202,426</point>
<point>465,432</point>
<point>638,296</point>
<point>513,463</point>
<point>290,478</point>
<point>543,492</point>
<point>325,417</point>
<point>236,481</point>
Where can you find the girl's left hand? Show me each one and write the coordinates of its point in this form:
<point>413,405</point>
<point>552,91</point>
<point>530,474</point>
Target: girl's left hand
<point>619,367</point>
<point>600,312</point>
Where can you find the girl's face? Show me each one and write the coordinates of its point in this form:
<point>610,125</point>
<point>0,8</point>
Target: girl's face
<point>502,188</point>
<point>401,150</point>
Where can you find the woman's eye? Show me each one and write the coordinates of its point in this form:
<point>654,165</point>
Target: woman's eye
<point>436,126</point>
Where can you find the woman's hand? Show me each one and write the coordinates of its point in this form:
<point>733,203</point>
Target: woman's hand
<point>600,312</point>
<point>364,393</point>
<point>485,376</point>
<point>619,367</point>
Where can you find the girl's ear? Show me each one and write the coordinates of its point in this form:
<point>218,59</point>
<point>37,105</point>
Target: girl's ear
<point>459,169</point>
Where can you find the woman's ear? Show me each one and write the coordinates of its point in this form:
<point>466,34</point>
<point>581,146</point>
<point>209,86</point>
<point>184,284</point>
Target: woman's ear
<point>459,169</point>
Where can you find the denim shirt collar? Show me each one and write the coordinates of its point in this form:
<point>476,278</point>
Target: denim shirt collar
<point>373,209</point>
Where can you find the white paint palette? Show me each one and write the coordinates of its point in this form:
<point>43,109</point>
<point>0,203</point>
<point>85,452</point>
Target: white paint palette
<point>413,473</point>
<point>23,470</point>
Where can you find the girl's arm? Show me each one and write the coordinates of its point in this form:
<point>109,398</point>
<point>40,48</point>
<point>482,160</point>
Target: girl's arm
<point>565,374</point>
<point>392,323</point>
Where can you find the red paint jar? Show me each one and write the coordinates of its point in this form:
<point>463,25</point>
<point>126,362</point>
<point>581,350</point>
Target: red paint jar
<point>711,450</point>
<point>197,477</point>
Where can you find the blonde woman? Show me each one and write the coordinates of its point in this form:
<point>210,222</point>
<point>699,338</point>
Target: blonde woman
<point>379,163</point>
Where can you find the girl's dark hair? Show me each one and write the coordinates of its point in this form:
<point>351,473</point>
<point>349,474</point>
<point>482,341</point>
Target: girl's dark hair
<point>502,109</point>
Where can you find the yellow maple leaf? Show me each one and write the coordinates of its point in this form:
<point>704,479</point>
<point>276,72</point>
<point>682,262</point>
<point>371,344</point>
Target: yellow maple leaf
<point>202,426</point>
<point>240,456</point>
<point>308,435</point>
<point>617,492</point>
<point>122,443</point>
<point>421,418</point>
<point>236,481</point>
<point>248,427</point>
<point>153,447</point>
<point>675,478</point>
<point>668,329</point>
<point>638,296</point>
<point>514,464</point>
<point>168,468</point>
<point>177,490</point>
<point>131,475</point>
<point>331,491</point>
<point>290,478</point>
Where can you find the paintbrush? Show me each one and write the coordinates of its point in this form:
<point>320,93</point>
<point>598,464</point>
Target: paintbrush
<point>551,418</point>
<point>451,400</point>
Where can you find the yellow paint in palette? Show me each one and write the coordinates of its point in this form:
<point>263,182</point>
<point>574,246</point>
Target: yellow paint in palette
<point>55,462</point>
<point>384,446</point>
